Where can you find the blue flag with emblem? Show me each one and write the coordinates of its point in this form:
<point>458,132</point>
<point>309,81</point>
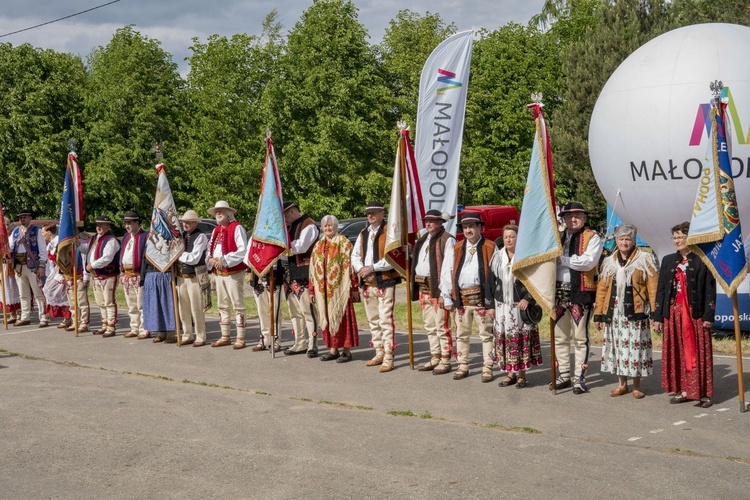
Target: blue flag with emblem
<point>67,231</point>
<point>715,232</point>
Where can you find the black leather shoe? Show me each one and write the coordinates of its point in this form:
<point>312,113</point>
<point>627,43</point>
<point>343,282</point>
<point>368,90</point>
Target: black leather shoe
<point>288,352</point>
<point>561,384</point>
<point>312,353</point>
<point>329,356</point>
<point>344,358</point>
<point>579,390</point>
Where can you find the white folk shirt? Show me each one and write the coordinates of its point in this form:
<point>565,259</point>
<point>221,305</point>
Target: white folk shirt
<point>108,253</point>
<point>200,245</point>
<point>584,262</point>
<point>469,276</point>
<point>357,263</point>
<point>233,258</point>
<point>423,259</point>
<point>127,254</point>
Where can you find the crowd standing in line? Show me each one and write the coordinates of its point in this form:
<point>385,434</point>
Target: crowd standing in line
<point>322,277</point>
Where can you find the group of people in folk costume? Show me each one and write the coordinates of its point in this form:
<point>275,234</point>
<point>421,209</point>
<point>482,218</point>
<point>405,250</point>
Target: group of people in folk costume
<point>322,277</point>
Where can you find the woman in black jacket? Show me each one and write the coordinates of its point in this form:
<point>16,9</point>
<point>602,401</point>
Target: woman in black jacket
<point>685,305</point>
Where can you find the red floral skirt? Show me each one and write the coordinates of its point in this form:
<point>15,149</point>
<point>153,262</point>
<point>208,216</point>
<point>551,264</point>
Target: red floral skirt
<point>348,335</point>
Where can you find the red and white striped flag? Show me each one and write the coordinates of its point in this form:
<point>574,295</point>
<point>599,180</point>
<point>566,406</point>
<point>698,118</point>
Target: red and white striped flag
<point>77,186</point>
<point>406,195</point>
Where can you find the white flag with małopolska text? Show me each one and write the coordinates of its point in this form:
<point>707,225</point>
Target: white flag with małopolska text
<point>440,122</point>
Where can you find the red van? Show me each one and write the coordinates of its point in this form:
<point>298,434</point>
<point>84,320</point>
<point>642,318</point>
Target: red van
<point>495,217</point>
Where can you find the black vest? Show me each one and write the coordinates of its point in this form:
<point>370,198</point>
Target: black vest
<point>299,273</point>
<point>189,244</point>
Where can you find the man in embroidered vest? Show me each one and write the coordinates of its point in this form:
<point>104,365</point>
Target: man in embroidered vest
<point>574,295</point>
<point>427,263</point>
<point>226,251</point>
<point>132,254</point>
<point>191,269</point>
<point>303,234</point>
<point>28,252</point>
<point>462,285</point>
<point>377,280</point>
<point>104,265</point>
<point>83,278</point>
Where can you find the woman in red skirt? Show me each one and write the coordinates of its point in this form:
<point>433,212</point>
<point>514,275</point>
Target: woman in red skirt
<point>685,305</point>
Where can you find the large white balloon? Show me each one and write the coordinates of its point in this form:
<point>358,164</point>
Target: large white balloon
<point>648,134</point>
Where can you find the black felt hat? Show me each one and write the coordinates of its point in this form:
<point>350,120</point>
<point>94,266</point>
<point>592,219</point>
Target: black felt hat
<point>103,219</point>
<point>374,206</point>
<point>572,207</point>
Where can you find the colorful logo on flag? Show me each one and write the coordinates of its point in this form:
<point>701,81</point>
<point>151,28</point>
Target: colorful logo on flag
<point>446,78</point>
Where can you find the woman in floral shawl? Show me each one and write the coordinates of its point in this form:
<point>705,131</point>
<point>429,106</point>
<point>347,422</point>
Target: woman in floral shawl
<point>334,288</point>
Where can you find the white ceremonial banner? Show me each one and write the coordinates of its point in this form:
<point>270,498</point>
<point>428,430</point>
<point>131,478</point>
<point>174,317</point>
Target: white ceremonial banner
<point>440,122</point>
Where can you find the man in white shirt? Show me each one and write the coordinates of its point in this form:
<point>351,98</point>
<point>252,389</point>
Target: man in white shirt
<point>28,251</point>
<point>462,285</point>
<point>104,265</point>
<point>78,295</point>
<point>377,280</point>
<point>303,234</point>
<point>191,268</point>
<point>132,253</point>
<point>427,262</point>
<point>226,252</point>
<point>575,295</point>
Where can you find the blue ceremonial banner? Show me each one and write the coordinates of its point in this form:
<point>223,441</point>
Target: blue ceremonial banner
<point>538,244</point>
<point>270,238</point>
<point>715,232</point>
<point>67,230</point>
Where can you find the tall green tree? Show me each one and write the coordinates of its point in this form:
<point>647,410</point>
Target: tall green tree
<point>41,97</point>
<point>132,100</point>
<point>406,45</point>
<point>329,109</point>
<point>507,66</point>
<point>223,138</point>
<point>621,27</point>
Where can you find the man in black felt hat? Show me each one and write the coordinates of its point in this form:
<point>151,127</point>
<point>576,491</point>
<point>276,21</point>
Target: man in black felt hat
<point>303,234</point>
<point>427,263</point>
<point>104,265</point>
<point>28,252</point>
<point>132,253</point>
<point>462,285</point>
<point>575,294</point>
<point>377,280</point>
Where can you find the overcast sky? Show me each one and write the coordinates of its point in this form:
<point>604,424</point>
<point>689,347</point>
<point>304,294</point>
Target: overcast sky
<point>176,22</point>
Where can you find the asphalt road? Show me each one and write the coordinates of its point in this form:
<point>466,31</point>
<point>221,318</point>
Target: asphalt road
<point>88,417</point>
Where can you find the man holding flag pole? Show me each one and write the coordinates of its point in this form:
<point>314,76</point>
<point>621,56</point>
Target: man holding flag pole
<point>70,260</point>
<point>715,234</point>
<point>269,241</point>
<point>538,245</point>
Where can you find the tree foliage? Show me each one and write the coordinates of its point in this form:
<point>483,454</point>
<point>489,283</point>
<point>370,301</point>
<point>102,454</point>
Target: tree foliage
<point>507,66</point>
<point>335,134</point>
<point>133,99</point>
<point>222,141</point>
<point>41,96</point>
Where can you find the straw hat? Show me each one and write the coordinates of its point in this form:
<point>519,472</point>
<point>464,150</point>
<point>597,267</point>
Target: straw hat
<point>221,204</point>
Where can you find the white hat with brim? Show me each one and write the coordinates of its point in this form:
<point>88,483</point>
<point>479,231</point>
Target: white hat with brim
<point>221,204</point>
<point>190,216</point>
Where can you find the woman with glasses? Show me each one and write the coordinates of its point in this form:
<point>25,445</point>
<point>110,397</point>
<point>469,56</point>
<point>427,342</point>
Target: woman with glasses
<point>685,304</point>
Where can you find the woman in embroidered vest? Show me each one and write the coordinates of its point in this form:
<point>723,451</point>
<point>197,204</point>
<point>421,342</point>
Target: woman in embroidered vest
<point>518,346</point>
<point>685,307</point>
<point>625,295</point>
<point>55,290</point>
<point>334,287</point>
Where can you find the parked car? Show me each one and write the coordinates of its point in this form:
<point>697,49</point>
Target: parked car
<point>352,227</point>
<point>206,226</point>
<point>495,217</point>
